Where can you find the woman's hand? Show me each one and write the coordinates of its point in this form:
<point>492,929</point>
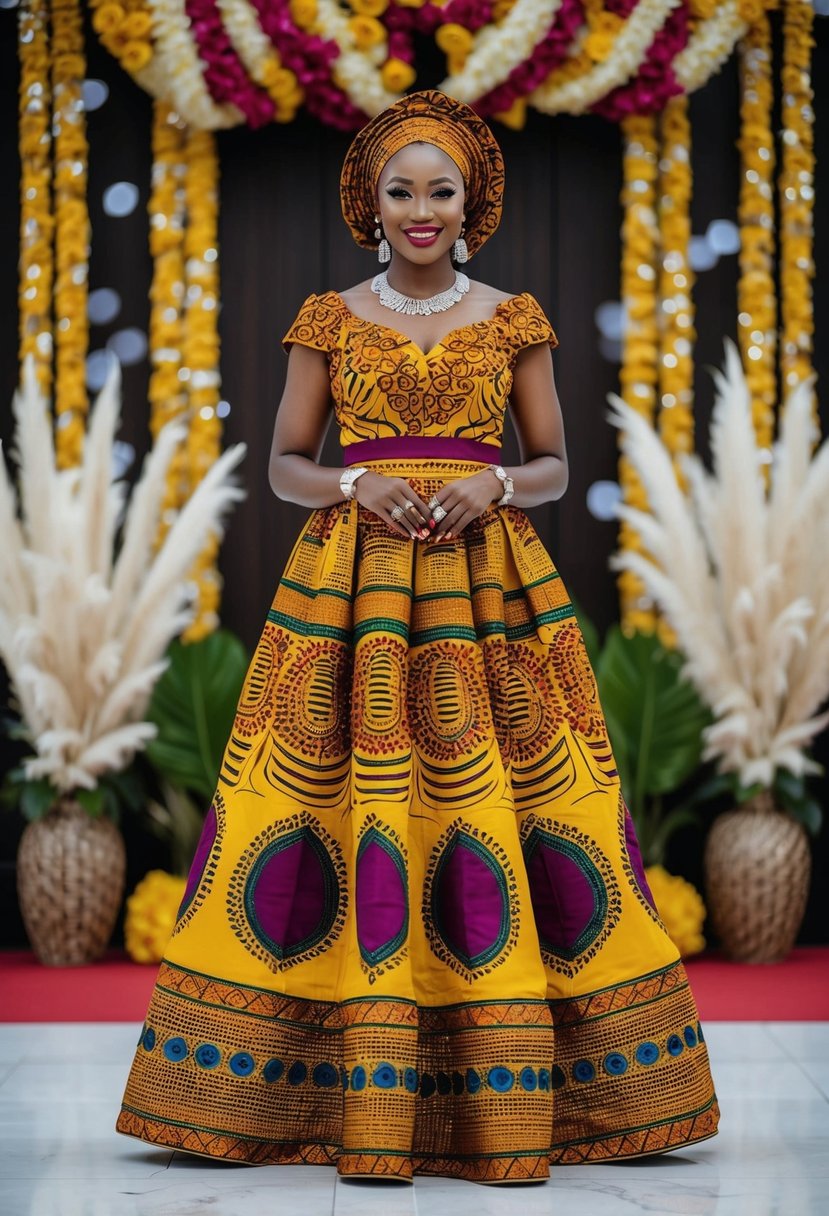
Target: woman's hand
<point>382,495</point>
<point>464,501</point>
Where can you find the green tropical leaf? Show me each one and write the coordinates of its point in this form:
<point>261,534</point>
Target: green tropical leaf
<point>193,706</point>
<point>36,797</point>
<point>659,713</point>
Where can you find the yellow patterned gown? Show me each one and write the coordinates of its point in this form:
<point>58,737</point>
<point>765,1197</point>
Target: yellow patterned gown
<point>416,935</point>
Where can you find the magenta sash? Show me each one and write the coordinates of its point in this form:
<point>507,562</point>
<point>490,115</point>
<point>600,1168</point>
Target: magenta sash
<point>416,447</point>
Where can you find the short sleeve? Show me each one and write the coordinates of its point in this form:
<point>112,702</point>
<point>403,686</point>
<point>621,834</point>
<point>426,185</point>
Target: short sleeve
<point>526,324</point>
<point>316,324</point>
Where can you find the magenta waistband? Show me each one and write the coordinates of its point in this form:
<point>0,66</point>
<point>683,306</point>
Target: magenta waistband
<point>414,447</point>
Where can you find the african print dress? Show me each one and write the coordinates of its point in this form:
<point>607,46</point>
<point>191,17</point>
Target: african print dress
<point>416,935</point>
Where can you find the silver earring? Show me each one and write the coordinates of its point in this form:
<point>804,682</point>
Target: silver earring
<point>460,253</point>
<point>383,249</point>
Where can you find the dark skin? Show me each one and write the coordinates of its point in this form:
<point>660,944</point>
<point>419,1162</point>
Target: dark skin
<point>420,185</point>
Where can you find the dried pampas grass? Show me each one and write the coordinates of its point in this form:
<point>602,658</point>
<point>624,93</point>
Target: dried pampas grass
<point>741,574</point>
<point>87,603</point>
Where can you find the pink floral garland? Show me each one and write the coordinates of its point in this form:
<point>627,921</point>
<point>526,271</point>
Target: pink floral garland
<point>656,81</point>
<point>310,58</point>
<point>224,73</point>
<point>549,54</point>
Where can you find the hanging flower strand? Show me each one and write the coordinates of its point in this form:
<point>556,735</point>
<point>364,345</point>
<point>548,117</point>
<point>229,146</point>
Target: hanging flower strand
<point>756,298</point>
<point>796,190</point>
<point>638,373</point>
<point>36,222</point>
<point>71,230</point>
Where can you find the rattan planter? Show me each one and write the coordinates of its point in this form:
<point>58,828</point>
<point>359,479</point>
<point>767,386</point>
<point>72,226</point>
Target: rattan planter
<point>71,870</point>
<point>757,870</point>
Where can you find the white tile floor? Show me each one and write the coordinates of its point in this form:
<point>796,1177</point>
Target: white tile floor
<point>61,1085</point>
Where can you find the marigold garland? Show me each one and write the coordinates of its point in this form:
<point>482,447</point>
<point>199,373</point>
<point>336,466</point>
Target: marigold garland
<point>676,281</point>
<point>71,229</point>
<point>36,222</point>
<point>756,298</point>
<point>151,914</point>
<point>796,192</point>
<point>638,373</point>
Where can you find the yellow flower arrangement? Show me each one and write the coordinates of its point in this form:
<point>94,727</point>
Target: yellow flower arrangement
<point>369,8</point>
<point>676,281</point>
<point>681,909</point>
<point>638,374</point>
<point>603,30</point>
<point>304,13</point>
<point>397,75</point>
<point>261,59</point>
<point>200,348</point>
<point>366,31</point>
<point>36,221</point>
<point>454,39</point>
<point>756,297</point>
<point>71,230</point>
<point>151,915</point>
<point>796,193</point>
<point>125,29</point>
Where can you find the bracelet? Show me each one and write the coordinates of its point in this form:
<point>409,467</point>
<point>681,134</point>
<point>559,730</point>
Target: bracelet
<point>506,481</point>
<point>348,479</point>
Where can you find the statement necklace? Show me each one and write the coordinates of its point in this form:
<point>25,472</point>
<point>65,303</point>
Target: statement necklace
<point>395,300</point>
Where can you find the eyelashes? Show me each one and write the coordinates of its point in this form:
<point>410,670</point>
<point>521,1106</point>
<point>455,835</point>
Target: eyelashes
<point>400,192</point>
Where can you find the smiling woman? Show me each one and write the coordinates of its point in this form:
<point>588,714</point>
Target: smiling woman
<point>419,909</point>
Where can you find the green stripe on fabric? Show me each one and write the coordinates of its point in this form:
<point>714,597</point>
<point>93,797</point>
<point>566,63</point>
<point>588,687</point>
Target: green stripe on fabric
<point>442,595</point>
<point>313,592</point>
<point>461,633</point>
<point>308,629</point>
<point>640,1127</point>
<point>381,624</point>
<point>312,540</point>
<point>399,590</point>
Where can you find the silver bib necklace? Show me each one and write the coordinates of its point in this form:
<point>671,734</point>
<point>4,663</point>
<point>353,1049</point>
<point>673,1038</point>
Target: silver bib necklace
<point>395,300</point>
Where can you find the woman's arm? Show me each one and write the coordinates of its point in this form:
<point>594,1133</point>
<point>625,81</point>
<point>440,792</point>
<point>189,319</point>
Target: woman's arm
<point>536,412</point>
<point>302,419</point>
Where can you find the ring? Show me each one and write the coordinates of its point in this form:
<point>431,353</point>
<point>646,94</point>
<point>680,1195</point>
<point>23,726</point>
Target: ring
<point>438,512</point>
<point>396,513</point>
<point>408,505</point>
<point>433,502</point>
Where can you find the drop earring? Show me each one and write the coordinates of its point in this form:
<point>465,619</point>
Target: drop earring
<point>383,249</point>
<point>460,253</point>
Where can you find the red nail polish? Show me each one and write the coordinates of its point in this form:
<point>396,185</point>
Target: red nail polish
<point>433,523</point>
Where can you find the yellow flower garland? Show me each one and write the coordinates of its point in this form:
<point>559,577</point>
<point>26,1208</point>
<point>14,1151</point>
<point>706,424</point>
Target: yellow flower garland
<point>796,191</point>
<point>676,280</point>
<point>756,298</point>
<point>71,230</point>
<point>125,29</point>
<point>36,221</point>
<point>151,915</point>
<point>200,349</point>
<point>638,374</point>
<point>167,391</point>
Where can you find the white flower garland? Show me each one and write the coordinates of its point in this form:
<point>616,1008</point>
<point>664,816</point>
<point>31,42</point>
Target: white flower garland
<point>498,49</point>
<point>355,72</point>
<point>628,55</point>
<point>709,46</point>
<point>178,65</point>
<point>249,42</point>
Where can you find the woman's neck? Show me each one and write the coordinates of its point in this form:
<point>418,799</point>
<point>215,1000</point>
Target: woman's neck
<point>420,282</point>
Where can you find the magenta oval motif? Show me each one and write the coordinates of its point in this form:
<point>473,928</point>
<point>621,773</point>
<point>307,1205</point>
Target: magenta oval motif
<point>382,897</point>
<point>470,902</point>
<point>202,853</point>
<point>568,894</point>
<point>292,894</point>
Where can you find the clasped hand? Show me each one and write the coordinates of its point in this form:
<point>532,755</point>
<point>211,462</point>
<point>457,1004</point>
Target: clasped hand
<point>462,501</point>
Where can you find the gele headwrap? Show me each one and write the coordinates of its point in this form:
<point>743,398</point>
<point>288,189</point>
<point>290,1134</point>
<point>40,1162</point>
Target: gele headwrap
<point>435,118</point>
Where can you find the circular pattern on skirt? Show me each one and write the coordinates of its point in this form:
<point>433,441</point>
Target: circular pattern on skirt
<point>448,700</point>
<point>311,696</point>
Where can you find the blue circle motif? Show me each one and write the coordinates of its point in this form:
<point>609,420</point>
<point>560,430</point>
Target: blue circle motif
<point>149,1039</point>
<point>675,1045</point>
<point>473,1080</point>
<point>529,1079</point>
<point>615,1063</point>
<point>358,1078</point>
<point>344,1078</point>
<point>647,1053</point>
<point>273,1070</point>
<point>207,1055</point>
<point>410,1080</point>
<point>501,1079</point>
<point>242,1064</point>
<point>584,1071</point>
<point>175,1050</point>
<point>428,1085</point>
<point>543,1078</point>
<point>557,1077</point>
<point>384,1076</point>
<point>297,1073</point>
<point>141,1035</point>
<point>325,1075</point>
<point>690,1036</point>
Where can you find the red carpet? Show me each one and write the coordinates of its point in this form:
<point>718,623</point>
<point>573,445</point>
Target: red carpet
<point>117,990</point>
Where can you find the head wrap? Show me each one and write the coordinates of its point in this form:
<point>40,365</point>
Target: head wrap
<point>450,125</point>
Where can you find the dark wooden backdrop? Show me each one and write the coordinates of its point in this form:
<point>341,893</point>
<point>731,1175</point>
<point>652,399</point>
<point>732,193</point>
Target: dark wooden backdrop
<point>282,237</point>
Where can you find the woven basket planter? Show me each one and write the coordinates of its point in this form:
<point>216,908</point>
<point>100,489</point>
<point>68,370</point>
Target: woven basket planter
<point>71,871</point>
<point>757,869</point>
